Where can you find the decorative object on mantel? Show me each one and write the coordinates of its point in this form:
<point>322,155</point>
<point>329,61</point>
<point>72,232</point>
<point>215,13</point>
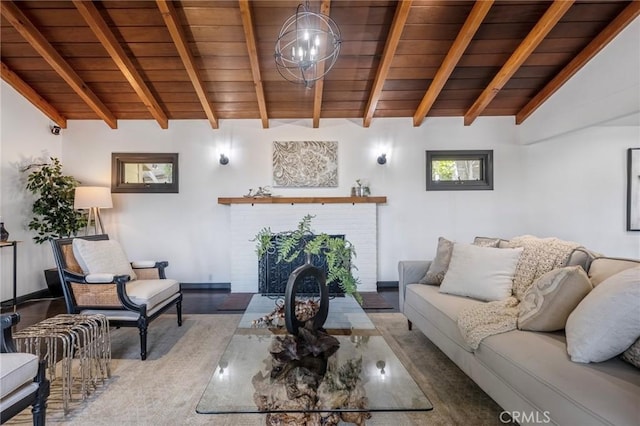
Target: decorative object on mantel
<point>4,234</point>
<point>305,164</point>
<point>337,252</point>
<point>361,189</point>
<point>302,200</point>
<point>262,191</point>
<point>307,46</point>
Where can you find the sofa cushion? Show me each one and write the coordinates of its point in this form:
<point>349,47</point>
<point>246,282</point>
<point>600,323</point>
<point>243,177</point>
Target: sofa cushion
<point>440,309</point>
<point>602,268</point>
<point>536,366</point>
<point>440,264</point>
<point>548,302</point>
<point>482,273</point>
<point>100,257</point>
<point>151,292</point>
<point>16,369</point>
<point>632,355</point>
<point>606,322</point>
<point>486,242</point>
<point>581,257</point>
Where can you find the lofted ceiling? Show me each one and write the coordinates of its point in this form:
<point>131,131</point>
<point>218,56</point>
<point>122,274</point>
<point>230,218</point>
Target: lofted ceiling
<point>172,60</point>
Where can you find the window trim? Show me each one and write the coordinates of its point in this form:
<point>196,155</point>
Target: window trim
<point>118,161</point>
<point>486,165</point>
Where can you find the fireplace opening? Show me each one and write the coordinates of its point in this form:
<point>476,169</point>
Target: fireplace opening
<point>273,276</point>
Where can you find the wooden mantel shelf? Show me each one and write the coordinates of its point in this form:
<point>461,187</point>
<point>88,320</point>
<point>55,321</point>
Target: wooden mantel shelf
<point>301,200</point>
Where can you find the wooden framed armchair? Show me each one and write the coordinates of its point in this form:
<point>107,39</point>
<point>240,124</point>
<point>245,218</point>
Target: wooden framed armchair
<point>96,277</point>
<point>22,378</point>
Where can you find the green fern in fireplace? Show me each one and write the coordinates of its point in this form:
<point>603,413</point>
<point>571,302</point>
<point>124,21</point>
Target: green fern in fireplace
<point>289,244</point>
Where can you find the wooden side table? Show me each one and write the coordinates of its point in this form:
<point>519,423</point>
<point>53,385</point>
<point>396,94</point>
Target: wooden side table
<point>13,244</point>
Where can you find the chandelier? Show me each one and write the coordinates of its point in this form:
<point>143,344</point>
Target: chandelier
<point>307,47</point>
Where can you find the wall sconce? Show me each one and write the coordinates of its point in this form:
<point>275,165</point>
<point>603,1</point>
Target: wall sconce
<point>382,159</point>
<point>381,365</point>
<point>224,160</point>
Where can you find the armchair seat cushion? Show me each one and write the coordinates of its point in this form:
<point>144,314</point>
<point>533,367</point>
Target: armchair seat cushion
<point>152,292</point>
<point>16,370</point>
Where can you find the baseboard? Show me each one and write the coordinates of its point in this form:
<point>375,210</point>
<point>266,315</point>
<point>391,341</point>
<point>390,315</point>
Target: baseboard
<point>206,286</point>
<point>382,285</point>
<point>40,294</point>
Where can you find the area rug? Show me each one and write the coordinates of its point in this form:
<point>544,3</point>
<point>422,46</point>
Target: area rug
<point>165,389</point>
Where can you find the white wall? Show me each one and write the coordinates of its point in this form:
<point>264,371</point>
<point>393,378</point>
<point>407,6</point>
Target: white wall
<point>576,188</point>
<point>606,88</point>
<point>192,231</point>
<point>25,138</point>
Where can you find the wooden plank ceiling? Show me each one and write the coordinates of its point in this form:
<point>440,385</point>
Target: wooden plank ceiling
<point>213,60</point>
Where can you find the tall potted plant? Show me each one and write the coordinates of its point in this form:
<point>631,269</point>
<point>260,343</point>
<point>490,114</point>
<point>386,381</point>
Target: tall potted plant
<point>53,212</point>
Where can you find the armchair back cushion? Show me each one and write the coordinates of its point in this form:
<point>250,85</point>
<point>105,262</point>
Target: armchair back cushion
<point>104,256</point>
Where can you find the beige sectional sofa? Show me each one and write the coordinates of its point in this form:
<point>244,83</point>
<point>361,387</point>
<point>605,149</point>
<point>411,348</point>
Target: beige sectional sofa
<point>529,374</point>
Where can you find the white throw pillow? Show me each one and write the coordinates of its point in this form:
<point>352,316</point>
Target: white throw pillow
<point>102,257</point>
<point>483,273</point>
<point>607,321</point>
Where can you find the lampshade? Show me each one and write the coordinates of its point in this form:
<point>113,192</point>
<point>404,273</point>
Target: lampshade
<point>307,47</point>
<point>87,197</point>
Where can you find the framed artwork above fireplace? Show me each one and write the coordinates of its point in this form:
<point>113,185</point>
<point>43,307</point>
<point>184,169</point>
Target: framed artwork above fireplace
<point>310,164</point>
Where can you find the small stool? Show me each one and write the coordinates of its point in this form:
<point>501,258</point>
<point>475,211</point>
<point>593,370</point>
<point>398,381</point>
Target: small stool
<point>67,337</point>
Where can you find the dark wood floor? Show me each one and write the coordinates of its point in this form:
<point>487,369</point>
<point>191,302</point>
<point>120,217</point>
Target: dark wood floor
<point>194,302</point>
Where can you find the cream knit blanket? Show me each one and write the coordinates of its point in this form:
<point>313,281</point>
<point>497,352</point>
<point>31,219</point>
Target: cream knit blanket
<point>539,255</point>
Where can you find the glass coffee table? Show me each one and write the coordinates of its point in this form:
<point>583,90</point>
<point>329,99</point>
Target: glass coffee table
<point>362,376</point>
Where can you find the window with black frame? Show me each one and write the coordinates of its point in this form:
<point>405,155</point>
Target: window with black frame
<point>143,172</point>
<point>459,170</point>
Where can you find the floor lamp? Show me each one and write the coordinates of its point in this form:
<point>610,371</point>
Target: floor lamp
<point>93,198</point>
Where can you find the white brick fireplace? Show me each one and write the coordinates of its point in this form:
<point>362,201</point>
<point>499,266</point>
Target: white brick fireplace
<point>358,222</point>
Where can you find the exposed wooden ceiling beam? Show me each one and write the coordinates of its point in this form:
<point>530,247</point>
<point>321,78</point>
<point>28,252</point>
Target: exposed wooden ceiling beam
<point>102,31</point>
<point>32,96</point>
<point>172,21</point>
<point>471,25</point>
<point>250,37</point>
<point>29,32</point>
<point>325,9</point>
<point>550,18</point>
<point>400,18</point>
<point>631,12</point>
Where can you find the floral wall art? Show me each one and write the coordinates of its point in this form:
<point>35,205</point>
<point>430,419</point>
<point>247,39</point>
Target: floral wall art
<point>310,164</point>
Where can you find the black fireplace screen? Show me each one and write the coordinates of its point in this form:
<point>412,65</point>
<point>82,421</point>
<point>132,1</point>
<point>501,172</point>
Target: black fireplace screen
<point>273,276</point>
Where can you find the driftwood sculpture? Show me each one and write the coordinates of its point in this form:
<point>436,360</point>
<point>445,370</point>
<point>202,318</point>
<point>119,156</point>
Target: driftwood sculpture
<point>306,385</point>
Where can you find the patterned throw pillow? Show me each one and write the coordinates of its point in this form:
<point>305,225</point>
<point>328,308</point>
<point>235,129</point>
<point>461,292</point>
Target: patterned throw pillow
<point>551,298</point>
<point>632,355</point>
<point>486,242</point>
<point>440,264</point>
